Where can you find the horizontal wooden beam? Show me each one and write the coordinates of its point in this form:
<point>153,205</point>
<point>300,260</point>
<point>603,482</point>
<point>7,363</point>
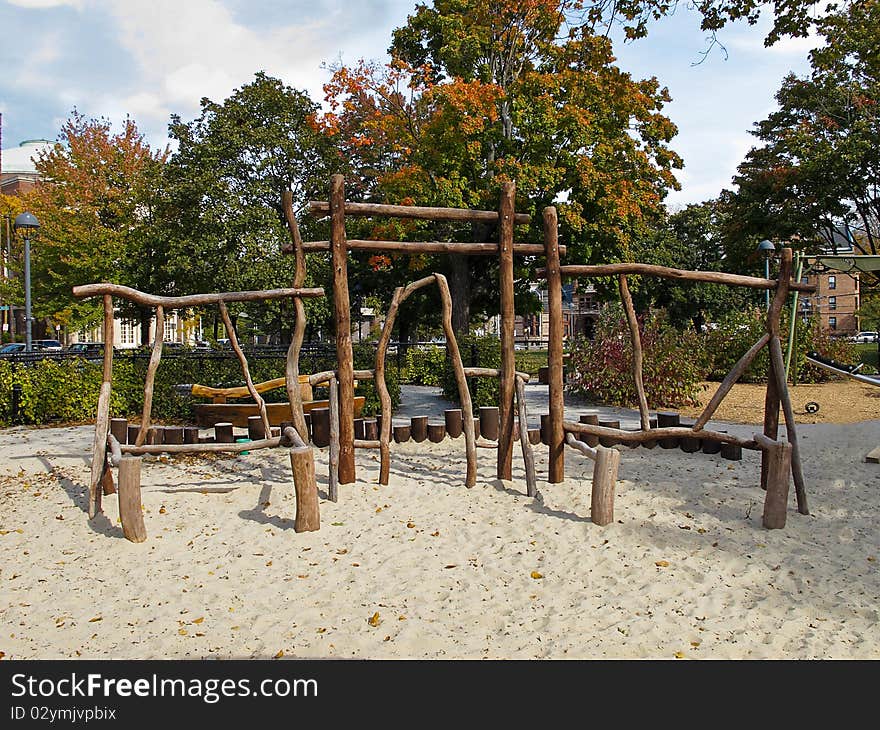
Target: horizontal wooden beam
<point>586,450</point>
<point>492,373</point>
<point>658,433</point>
<point>193,300</point>
<point>422,247</point>
<point>417,212</point>
<point>710,277</point>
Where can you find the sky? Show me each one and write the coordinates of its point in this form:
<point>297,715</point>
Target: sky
<point>148,59</point>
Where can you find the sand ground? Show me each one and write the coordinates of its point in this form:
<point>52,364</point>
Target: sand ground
<point>426,568</point>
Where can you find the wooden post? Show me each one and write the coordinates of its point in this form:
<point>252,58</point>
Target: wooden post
<point>342,318</point>
<point>508,366</point>
<point>545,429</point>
<point>320,427</point>
<point>156,435</point>
<point>190,434</point>
<point>604,482</point>
<point>256,430</point>
<point>778,458</point>
<point>452,419</point>
<point>223,433</point>
<point>556,434</point>
<point>528,456</point>
<point>731,452</point>
<point>371,429</point>
<point>308,517</point>
<point>173,435</point>
<point>152,366</point>
<point>401,434</point>
<point>489,422</point>
<point>636,339</point>
<point>130,512</point>
<point>102,424</point>
<point>419,428</point>
<point>335,442</point>
<point>359,429</point>
<point>436,432</point>
<point>534,436</point>
<point>119,429</point>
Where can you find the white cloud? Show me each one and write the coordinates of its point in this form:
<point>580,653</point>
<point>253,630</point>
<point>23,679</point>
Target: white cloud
<point>42,4</point>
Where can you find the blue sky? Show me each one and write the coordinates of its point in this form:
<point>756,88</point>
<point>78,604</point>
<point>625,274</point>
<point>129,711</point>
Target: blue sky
<point>152,58</point>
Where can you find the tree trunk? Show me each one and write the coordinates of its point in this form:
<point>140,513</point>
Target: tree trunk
<point>146,315</point>
<point>460,288</point>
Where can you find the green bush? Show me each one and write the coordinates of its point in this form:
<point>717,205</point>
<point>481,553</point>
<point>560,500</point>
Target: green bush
<point>424,365</point>
<point>601,369</point>
<point>476,351</point>
<point>530,361</point>
<point>67,391</point>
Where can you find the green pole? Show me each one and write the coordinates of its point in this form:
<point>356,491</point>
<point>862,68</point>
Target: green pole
<point>799,268</point>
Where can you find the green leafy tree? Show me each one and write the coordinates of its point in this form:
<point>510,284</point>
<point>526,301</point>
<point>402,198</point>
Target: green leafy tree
<point>223,191</point>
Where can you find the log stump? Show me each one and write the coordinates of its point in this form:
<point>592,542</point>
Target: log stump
<point>359,429</point>
<point>133,431</point>
<point>131,513</point>
<point>190,434</point>
<point>733,452</point>
<point>604,482</point>
<point>534,436</point>
<point>454,422</point>
<point>778,476</point>
<point>608,441</point>
<point>489,416</point>
<point>321,427</point>
<point>156,435</point>
<point>419,428</point>
<point>436,432</point>
<point>591,419</point>
<point>223,433</point>
<point>401,433</point>
<point>371,429</point>
<point>173,434</point>
<point>668,419</point>
<point>119,429</point>
<point>545,429</point>
<point>256,430</point>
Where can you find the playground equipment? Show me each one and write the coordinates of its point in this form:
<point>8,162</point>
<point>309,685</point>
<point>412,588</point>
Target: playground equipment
<point>779,459</point>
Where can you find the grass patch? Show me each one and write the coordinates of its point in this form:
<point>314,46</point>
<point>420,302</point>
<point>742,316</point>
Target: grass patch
<point>868,353</point>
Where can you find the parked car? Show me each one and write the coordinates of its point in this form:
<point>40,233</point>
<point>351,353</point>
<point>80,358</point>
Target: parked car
<point>86,348</point>
<point>51,345</point>
<point>865,337</point>
<point>12,348</point>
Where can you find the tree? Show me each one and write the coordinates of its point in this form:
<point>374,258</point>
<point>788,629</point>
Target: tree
<point>95,203</point>
<point>819,165</point>
<point>483,91</point>
<point>224,184</point>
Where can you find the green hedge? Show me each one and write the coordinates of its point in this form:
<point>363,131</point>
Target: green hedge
<point>476,351</point>
<point>66,391</point>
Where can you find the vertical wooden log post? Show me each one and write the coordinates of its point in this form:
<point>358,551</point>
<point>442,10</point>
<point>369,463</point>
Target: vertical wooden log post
<point>778,458</point>
<point>464,393</point>
<point>321,427</point>
<point>604,482</point>
<point>508,365</point>
<point>173,435</point>
<point>342,318</point>
<point>152,366</point>
<point>132,433</point>
<point>591,419</point>
<point>436,432</point>
<point>335,443</point>
<point>771,397</point>
<point>401,433</point>
<point>130,512</point>
<point>636,339</point>
<point>256,428</point>
<point>102,419</point>
<point>528,456</point>
<point>555,433</point>
<point>233,341</point>
<point>190,434</point>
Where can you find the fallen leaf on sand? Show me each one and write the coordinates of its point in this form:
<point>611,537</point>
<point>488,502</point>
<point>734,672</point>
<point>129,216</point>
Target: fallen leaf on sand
<point>182,632</point>
<point>279,654</point>
<point>374,620</point>
<point>410,524</point>
<point>661,563</point>
<point>97,618</point>
<point>536,575</point>
<point>198,620</point>
<point>679,655</point>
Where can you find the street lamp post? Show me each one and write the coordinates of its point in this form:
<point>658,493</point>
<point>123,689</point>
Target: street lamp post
<point>767,248</point>
<point>27,222</point>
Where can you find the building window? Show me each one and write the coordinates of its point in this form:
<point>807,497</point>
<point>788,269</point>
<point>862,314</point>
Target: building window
<point>805,279</point>
<point>832,282</point>
<point>126,332</point>
<point>170,334</point>
<point>832,302</point>
<point>832,323</point>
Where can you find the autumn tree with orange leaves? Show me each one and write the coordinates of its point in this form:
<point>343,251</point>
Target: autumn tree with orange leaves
<point>484,91</point>
<point>95,203</point>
